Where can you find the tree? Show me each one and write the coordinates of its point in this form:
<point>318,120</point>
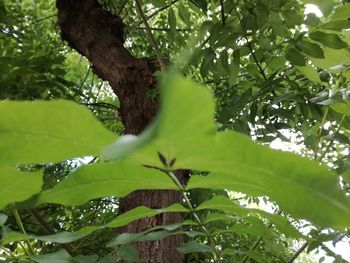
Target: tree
<point>273,72</point>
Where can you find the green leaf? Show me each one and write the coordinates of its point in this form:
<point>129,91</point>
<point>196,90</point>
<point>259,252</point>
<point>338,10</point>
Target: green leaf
<point>328,39</point>
<point>18,186</point>
<point>333,58</point>
<point>342,12</point>
<point>336,25</point>
<point>295,57</point>
<point>105,179</point>
<point>61,256</point>
<point>225,204</point>
<point>194,247</point>
<point>184,15</point>
<point>310,72</point>
<point>311,49</point>
<point>238,164</point>
<point>342,108</point>
<point>172,20</point>
<point>121,220</point>
<point>48,131</point>
<point>128,253</point>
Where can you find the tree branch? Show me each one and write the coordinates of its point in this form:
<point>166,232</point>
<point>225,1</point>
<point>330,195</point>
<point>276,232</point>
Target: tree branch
<point>150,35</point>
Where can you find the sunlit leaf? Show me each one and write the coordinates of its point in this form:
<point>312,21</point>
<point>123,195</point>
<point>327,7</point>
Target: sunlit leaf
<point>18,186</point>
<point>105,179</point>
<point>48,131</point>
<point>328,39</point>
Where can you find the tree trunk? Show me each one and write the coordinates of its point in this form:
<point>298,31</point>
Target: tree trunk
<point>98,35</point>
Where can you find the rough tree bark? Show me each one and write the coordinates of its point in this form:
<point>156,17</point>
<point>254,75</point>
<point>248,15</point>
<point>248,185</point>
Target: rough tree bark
<point>98,35</point>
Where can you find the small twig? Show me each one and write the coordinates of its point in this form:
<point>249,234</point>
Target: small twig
<point>162,8</point>
<point>85,78</point>
<point>150,35</point>
<point>297,253</point>
<point>102,104</point>
<point>42,19</point>
<point>164,29</point>
<point>223,18</point>
<point>21,227</point>
<point>319,135</point>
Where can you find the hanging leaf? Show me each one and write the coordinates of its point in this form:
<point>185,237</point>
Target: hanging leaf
<point>336,25</point>
<point>328,39</point>
<point>311,49</point>
<point>172,20</point>
<point>184,15</point>
<point>48,131</point>
<point>295,57</point>
<point>342,108</point>
<point>310,72</point>
<point>194,247</point>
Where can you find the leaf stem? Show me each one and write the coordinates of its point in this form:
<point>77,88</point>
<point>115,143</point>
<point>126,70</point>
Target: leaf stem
<point>193,212</point>
<point>21,227</point>
<point>319,135</point>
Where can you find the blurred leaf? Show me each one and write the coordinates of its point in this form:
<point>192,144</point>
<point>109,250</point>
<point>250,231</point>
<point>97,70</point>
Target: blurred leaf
<point>184,15</point>
<point>172,20</point>
<point>295,57</point>
<point>48,131</point>
<point>342,108</point>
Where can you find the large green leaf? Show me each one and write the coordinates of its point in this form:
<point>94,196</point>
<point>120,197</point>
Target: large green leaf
<point>9,236</point>
<point>105,179</point>
<point>226,205</point>
<point>184,131</point>
<point>239,164</point>
<point>17,186</point>
<point>48,131</point>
